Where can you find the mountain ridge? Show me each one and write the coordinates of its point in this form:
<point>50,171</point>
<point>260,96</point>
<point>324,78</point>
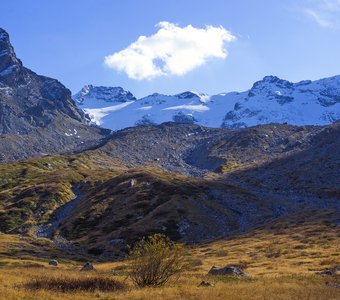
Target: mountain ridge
<point>192,183</point>
<point>270,100</point>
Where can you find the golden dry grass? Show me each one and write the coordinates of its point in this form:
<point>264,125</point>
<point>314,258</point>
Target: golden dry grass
<point>13,281</point>
<point>299,245</point>
<point>281,258</point>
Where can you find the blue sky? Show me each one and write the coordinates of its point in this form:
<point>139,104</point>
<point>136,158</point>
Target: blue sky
<point>69,40</point>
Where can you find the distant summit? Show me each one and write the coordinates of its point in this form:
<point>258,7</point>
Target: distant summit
<point>102,93</point>
<point>270,100</point>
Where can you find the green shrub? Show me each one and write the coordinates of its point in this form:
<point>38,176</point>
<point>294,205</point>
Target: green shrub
<point>155,260</point>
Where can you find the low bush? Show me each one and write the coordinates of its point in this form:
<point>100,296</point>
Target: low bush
<point>69,284</point>
<point>155,260</point>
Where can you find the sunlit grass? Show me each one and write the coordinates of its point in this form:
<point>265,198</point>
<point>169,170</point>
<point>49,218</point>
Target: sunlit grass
<point>280,258</point>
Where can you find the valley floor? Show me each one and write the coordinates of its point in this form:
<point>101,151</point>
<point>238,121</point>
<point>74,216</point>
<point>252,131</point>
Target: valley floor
<point>280,258</point>
<point>273,287</point>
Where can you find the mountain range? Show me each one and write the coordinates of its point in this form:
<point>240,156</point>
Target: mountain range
<point>270,100</point>
<point>192,166</point>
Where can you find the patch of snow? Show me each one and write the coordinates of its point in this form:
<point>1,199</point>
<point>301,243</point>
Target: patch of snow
<point>7,71</point>
<point>73,132</point>
<point>205,98</point>
<point>4,52</point>
<point>197,108</point>
<point>7,90</point>
<point>144,108</point>
<point>97,114</point>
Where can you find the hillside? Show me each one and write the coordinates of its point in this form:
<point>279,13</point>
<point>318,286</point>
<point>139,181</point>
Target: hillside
<point>213,183</point>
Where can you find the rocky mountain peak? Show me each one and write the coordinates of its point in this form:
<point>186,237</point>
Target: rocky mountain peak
<point>9,63</point>
<point>37,113</point>
<point>187,95</point>
<point>268,83</point>
<point>107,94</point>
<point>28,100</point>
<point>270,79</point>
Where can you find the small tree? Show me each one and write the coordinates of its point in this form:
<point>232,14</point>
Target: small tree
<point>155,259</point>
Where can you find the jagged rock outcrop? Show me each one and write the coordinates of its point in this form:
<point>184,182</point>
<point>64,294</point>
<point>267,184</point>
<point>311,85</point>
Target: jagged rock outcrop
<point>37,113</point>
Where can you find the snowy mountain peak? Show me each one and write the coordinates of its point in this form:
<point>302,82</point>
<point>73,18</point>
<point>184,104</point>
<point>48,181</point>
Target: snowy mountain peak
<point>102,93</point>
<point>271,79</point>
<point>187,95</point>
<point>270,100</point>
<point>269,86</point>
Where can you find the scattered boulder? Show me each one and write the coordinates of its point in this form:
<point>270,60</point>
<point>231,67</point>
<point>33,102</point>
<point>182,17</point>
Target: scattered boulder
<point>48,166</point>
<point>228,271</point>
<point>132,182</point>
<point>87,267</point>
<point>326,272</point>
<point>53,262</point>
<point>206,283</point>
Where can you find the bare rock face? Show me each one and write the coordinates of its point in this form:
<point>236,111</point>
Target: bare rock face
<point>227,271</point>
<point>9,64</point>
<point>27,99</point>
<point>37,113</point>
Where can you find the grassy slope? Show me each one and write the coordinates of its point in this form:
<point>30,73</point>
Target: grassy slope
<point>157,201</point>
<point>32,189</point>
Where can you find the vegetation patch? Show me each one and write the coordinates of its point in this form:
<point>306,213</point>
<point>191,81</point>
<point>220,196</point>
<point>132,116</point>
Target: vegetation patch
<point>154,261</point>
<point>68,284</point>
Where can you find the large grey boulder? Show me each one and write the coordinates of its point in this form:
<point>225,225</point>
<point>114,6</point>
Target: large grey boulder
<point>53,262</point>
<point>87,267</point>
<point>227,271</point>
<point>327,272</point>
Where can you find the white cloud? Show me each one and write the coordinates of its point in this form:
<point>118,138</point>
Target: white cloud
<point>326,13</point>
<point>332,5</point>
<point>172,50</point>
<point>319,18</point>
